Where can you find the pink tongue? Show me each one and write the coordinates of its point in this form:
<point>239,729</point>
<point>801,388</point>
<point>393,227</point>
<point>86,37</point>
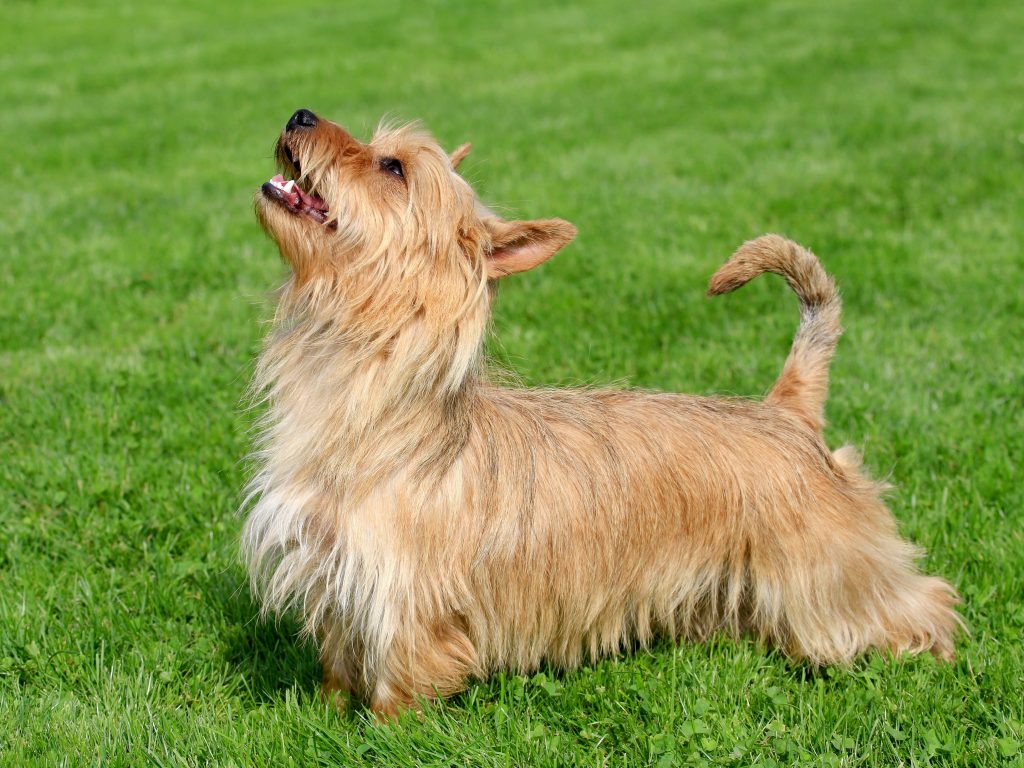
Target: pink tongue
<point>311,201</point>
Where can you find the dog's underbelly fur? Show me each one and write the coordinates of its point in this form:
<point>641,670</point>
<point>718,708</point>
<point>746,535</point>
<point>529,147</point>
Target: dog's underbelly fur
<point>574,523</point>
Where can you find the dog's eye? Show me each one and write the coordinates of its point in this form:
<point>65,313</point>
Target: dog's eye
<point>391,165</point>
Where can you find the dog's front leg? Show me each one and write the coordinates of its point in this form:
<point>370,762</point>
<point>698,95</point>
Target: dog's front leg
<point>342,665</point>
<point>341,678</point>
<point>424,663</point>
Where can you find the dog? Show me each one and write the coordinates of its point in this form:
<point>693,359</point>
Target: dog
<point>431,527</point>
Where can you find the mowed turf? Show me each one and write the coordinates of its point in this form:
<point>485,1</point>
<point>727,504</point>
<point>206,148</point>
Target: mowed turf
<point>135,286</point>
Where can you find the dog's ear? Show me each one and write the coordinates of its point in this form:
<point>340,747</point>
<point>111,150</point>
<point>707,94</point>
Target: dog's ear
<point>517,246</point>
<point>459,155</point>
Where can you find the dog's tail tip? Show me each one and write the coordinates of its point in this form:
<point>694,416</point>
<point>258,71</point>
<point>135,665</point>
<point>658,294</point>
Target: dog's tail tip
<point>740,269</point>
<point>723,284</point>
<point>767,253</point>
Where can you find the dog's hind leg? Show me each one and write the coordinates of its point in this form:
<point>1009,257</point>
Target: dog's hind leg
<point>827,591</point>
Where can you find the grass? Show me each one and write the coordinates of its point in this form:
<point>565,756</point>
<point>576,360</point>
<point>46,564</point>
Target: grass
<point>133,293</point>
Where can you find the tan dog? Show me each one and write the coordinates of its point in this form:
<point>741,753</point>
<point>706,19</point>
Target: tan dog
<point>431,527</point>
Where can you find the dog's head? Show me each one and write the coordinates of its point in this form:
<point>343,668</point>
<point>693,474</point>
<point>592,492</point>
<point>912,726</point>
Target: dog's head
<point>391,219</point>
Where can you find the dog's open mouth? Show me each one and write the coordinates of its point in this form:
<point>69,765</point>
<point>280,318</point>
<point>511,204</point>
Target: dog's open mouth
<point>289,194</point>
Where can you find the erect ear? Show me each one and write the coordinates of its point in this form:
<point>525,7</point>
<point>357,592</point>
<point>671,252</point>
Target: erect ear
<point>517,246</point>
<point>459,155</point>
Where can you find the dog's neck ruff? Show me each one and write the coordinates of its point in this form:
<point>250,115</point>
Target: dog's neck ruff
<point>349,410</point>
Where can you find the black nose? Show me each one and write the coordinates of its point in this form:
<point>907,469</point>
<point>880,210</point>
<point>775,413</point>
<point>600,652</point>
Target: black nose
<point>303,118</point>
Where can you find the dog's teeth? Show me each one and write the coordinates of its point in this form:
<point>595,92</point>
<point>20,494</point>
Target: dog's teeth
<point>289,186</point>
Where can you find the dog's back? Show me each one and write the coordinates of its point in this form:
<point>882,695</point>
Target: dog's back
<point>624,513</point>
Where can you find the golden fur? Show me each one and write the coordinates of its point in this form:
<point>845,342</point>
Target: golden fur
<point>431,527</point>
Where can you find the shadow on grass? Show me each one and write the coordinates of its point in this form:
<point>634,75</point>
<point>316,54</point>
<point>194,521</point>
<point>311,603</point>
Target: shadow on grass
<point>268,654</point>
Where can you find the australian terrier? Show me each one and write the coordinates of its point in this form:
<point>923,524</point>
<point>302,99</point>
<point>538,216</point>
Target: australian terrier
<point>431,527</point>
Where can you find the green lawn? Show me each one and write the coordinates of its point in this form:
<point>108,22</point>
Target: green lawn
<point>134,288</point>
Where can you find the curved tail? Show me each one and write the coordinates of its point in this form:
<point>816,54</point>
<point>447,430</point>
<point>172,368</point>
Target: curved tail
<point>803,384</point>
